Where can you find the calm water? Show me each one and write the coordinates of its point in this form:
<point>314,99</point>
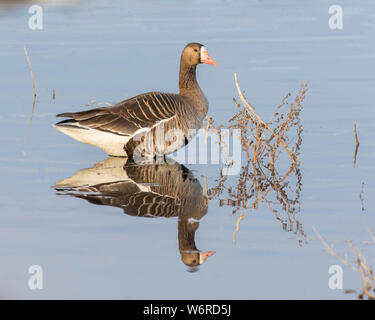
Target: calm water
<point>92,53</point>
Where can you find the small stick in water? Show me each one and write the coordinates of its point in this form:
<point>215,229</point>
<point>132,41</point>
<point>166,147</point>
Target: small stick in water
<point>356,144</point>
<point>249,107</point>
<point>31,69</point>
<point>53,94</point>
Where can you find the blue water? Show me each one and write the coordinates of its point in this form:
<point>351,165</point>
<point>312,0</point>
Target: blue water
<point>92,52</point>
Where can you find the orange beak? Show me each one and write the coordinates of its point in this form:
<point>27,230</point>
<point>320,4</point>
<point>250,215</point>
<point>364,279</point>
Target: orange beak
<point>206,58</point>
<point>204,255</point>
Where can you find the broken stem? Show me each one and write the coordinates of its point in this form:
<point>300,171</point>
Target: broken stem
<point>356,144</point>
<point>247,105</point>
<point>31,70</point>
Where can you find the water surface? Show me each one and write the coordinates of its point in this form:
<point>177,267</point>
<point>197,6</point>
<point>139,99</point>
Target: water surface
<point>95,53</point>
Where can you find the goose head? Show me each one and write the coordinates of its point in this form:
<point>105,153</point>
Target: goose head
<point>196,53</point>
<point>195,257</point>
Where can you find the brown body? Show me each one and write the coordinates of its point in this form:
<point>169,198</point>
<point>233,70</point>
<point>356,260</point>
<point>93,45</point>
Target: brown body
<point>149,124</point>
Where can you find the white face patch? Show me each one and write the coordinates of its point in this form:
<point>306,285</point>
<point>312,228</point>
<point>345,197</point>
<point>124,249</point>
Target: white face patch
<point>203,48</point>
<point>205,57</point>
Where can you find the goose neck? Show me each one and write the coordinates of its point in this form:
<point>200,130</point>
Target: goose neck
<point>188,84</point>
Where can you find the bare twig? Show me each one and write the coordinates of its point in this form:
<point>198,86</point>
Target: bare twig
<point>367,274</point>
<point>330,249</point>
<point>356,144</point>
<point>355,134</point>
<point>31,70</point>
<point>260,120</point>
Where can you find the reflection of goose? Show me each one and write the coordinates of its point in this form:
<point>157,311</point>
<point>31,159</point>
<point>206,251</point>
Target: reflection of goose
<point>158,190</point>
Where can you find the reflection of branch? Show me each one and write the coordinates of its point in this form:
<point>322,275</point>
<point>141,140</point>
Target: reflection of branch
<point>33,80</point>
<point>275,186</point>
<point>330,249</point>
<point>367,274</point>
<point>361,196</point>
<point>205,187</point>
<point>31,119</point>
<point>371,234</point>
<point>237,227</point>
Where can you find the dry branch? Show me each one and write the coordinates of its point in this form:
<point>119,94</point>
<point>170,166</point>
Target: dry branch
<point>260,120</point>
<point>31,69</point>
<point>360,266</point>
<point>356,144</point>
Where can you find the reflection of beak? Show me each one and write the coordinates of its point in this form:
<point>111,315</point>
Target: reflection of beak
<point>204,255</point>
<point>206,58</point>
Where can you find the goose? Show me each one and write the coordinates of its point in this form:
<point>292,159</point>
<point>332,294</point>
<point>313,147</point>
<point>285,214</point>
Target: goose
<point>149,124</point>
<point>149,191</point>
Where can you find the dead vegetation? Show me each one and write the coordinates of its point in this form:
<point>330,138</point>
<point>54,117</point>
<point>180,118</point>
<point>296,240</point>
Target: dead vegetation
<point>360,265</point>
<point>31,69</point>
<point>237,226</point>
<point>356,144</point>
<point>34,87</point>
<point>265,178</point>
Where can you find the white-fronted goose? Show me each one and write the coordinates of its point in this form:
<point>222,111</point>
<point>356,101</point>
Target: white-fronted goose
<point>158,190</point>
<point>118,130</point>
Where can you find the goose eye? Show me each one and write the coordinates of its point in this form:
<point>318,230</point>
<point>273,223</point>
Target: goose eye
<point>196,50</point>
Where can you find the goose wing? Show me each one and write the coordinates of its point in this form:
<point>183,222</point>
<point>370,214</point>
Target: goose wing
<point>142,112</point>
<point>128,196</point>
